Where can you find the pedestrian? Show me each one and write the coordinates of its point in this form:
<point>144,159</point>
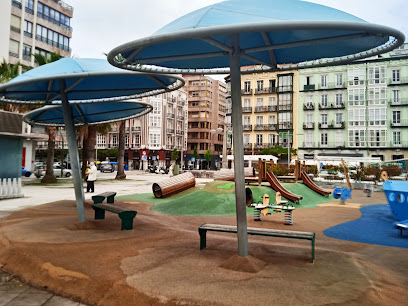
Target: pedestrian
<point>90,183</point>
<point>171,170</point>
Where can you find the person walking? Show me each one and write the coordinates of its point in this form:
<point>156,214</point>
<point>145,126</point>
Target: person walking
<point>90,183</point>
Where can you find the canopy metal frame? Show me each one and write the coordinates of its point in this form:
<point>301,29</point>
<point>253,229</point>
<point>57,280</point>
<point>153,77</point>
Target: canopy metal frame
<point>235,53</point>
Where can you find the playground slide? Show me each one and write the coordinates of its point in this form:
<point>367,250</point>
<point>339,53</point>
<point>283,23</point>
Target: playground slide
<point>309,183</point>
<point>273,181</point>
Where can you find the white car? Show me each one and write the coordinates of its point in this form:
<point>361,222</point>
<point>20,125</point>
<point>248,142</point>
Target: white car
<point>57,172</point>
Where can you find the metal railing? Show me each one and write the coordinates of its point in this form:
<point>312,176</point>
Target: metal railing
<point>16,4</point>
<point>401,123</point>
<point>398,102</point>
<point>308,106</point>
<point>28,34</point>
<point>247,109</point>
<point>248,146</point>
<point>247,127</point>
<point>54,21</point>
<point>63,4</point>
<point>170,131</point>
<point>52,43</point>
<point>308,126</point>
<point>246,92</point>
<point>29,11</point>
<point>15,29</point>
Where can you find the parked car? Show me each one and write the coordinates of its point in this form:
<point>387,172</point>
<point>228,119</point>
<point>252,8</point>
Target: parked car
<point>40,171</point>
<point>106,167</point>
<point>25,172</point>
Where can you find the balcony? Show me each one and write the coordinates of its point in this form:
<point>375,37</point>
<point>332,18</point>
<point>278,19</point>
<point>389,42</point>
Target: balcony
<point>308,87</point>
<point>272,108</point>
<point>261,127</point>
<point>266,90</point>
<point>13,54</point>
<point>247,109</point>
<point>54,21</point>
<point>308,106</point>
<point>309,144</point>
<point>398,102</point>
<point>65,5</point>
<point>15,29</point>
<point>285,126</point>
<point>399,144</point>
<point>285,107</point>
<point>53,43</point>
<point>16,4</point>
<point>180,133</point>
<point>246,92</point>
<point>260,109</point>
<point>29,11</point>
<point>136,128</point>
<point>181,102</point>
<point>170,131</point>
<point>260,146</point>
<point>400,124</point>
<point>170,115</point>
<point>247,146</point>
<point>308,126</point>
<point>28,34</point>
<point>247,127</point>
<point>400,81</point>
<point>338,106</point>
<point>324,106</point>
<point>181,118</point>
<point>340,125</point>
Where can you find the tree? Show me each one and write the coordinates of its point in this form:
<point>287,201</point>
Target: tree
<point>207,156</point>
<point>195,155</point>
<point>51,131</point>
<point>175,154</point>
<point>7,73</point>
<point>277,151</point>
<point>120,174</point>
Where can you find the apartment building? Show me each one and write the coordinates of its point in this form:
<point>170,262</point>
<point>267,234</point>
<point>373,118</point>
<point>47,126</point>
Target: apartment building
<point>269,112</point>
<point>34,26</point>
<point>206,117</point>
<point>356,110</point>
<point>151,139</point>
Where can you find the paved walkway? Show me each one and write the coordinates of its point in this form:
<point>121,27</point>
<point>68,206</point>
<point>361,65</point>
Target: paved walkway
<point>15,293</point>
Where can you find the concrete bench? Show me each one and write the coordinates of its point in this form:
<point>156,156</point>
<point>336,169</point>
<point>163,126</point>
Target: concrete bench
<point>202,230</point>
<point>124,214</point>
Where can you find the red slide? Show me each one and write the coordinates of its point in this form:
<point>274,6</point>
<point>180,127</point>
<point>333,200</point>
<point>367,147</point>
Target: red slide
<point>273,181</point>
<point>312,185</point>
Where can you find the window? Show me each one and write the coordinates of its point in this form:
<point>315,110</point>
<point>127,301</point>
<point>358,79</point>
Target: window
<point>247,139</point>
<point>309,139</point>
<point>338,139</point>
<point>323,119</point>
<point>285,102</point>
<point>309,101</point>
<point>323,139</point>
<point>309,119</point>
<point>396,97</point>
<point>272,84</point>
<point>323,81</point>
<point>247,120</point>
<point>356,76</point>
<point>396,117</point>
<point>154,139</point>
<point>247,86</point>
<point>272,119</point>
<point>259,102</point>
<point>259,86</point>
<point>271,140</point>
<point>15,23</point>
<point>376,75</point>
<point>247,103</point>
<point>29,4</point>
<point>395,75</point>
<point>40,7</point>
<point>339,100</point>
<point>356,97</point>
<point>309,80</point>
<point>28,28</point>
<point>396,138</point>
<point>114,140</point>
<point>272,101</point>
<point>259,120</point>
<point>339,80</point>
<point>377,96</point>
<point>259,139</point>
<point>339,119</point>
<point>27,53</point>
<point>377,116</point>
<point>285,120</point>
<point>357,117</point>
<point>285,83</point>
<point>377,138</point>
<point>323,102</point>
<point>14,48</point>
<point>154,121</point>
<point>357,138</point>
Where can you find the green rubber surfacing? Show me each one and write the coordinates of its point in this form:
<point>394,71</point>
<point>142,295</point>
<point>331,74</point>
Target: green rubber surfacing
<point>213,201</point>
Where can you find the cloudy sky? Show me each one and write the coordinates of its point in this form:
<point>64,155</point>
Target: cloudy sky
<point>101,25</point>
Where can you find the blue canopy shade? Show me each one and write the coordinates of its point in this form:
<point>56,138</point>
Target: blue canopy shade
<point>271,33</point>
<point>85,80</point>
<point>88,113</point>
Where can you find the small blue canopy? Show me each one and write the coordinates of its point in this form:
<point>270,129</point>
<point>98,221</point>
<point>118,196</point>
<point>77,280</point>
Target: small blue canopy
<point>86,80</point>
<point>88,113</point>
<point>271,33</point>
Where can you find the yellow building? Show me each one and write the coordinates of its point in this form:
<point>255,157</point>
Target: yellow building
<point>270,110</point>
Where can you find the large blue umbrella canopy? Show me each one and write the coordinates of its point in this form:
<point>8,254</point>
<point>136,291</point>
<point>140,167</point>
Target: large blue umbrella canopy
<point>86,80</point>
<point>271,33</point>
<point>88,113</point>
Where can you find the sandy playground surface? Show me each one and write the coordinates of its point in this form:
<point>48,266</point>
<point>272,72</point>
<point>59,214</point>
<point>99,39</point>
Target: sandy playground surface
<point>159,262</point>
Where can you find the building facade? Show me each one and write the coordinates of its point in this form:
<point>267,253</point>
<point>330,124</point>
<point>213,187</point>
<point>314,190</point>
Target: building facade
<point>150,139</point>
<point>356,110</point>
<point>34,26</point>
<point>206,117</point>
<point>269,112</point>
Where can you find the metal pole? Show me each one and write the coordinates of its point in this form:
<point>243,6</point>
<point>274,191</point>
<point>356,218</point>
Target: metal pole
<point>224,150</point>
<point>240,196</point>
<point>73,152</point>
<point>288,142</point>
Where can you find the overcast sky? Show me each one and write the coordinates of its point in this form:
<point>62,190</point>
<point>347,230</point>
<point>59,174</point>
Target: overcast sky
<point>101,25</point>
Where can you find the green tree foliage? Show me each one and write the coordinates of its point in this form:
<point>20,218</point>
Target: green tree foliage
<point>277,151</point>
<point>207,156</point>
<point>175,154</point>
<point>195,153</point>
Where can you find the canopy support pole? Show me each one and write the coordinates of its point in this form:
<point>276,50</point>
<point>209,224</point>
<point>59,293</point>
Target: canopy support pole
<point>239,172</point>
<point>73,152</point>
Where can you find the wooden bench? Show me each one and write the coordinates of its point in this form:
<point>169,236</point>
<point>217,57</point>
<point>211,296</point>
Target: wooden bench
<point>202,230</point>
<point>124,214</point>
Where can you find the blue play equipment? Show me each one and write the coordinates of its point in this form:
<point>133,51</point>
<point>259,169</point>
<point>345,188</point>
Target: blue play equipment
<point>397,196</point>
<point>342,193</point>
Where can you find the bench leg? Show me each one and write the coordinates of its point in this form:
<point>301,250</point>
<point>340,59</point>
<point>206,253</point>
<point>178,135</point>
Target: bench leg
<point>203,238</point>
<point>99,213</point>
<point>110,199</point>
<point>313,249</point>
<point>127,220</point>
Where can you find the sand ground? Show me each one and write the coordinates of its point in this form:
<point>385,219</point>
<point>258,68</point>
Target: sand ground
<point>159,261</point>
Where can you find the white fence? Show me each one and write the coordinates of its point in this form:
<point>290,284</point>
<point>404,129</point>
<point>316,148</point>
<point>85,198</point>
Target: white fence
<point>10,188</point>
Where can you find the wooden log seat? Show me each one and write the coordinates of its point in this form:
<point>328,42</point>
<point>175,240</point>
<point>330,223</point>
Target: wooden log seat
<point>174,185</point>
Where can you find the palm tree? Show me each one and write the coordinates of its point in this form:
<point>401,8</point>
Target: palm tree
<point>120,174</point>
<point>49,176</point>
<point>7,73</point>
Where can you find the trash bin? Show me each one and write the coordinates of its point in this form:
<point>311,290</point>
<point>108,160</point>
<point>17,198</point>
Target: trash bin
<point>126,167</point>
